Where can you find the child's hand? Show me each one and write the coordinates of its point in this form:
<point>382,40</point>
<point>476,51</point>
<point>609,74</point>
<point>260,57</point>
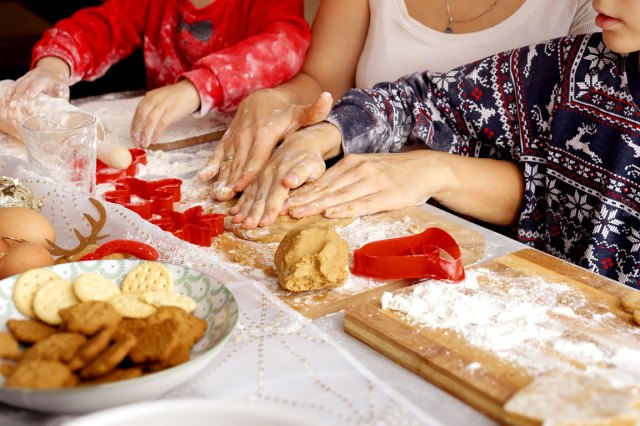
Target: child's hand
<point>50,75</point>
<point>362,184</point>
<point>161,107</point>
<point>263,119</point>
<point>298,160</point>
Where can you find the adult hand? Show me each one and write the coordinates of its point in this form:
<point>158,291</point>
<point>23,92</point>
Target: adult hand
<point>298,160</point>
<point>263,119</point>
<point>50,76</point>
<point>362,184</point>
<point>161,107</point>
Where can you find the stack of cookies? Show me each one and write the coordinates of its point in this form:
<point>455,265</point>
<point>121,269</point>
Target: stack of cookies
<point>87,331</point>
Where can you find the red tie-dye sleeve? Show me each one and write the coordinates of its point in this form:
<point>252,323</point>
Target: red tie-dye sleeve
<point>95,38</point>
<point>272,53</point>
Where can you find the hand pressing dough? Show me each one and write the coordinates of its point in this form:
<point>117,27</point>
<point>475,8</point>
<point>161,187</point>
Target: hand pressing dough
<point>312,259</point>
<point>569,398</point>
<point>283,225</point>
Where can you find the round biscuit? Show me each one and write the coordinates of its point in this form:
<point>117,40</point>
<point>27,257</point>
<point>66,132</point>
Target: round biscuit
<point>130,306</point>
<point>27,285</point>
<point>163,298</point>
<point>90,286</point>
<point>51,297</point>
<point>149,276</point>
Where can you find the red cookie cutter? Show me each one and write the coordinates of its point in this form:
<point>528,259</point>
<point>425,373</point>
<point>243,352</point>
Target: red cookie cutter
<point>134,248</point>
<point>154,196</point>
<point>415,256</point>
<point>105,174</point>
<point>191,225</point>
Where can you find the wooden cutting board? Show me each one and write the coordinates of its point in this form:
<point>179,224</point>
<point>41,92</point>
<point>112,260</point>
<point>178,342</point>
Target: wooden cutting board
<point>443,357</point>
<point>116,113</point>
<point>257,259</point>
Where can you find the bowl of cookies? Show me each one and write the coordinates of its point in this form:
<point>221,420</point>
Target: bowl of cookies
<point>85,336</point>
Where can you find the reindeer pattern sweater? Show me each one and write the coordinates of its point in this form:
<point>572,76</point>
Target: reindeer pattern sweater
<point>566,111</point>
<point>227,49</point>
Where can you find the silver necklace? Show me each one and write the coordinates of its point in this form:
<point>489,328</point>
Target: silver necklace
<point>451,21</point>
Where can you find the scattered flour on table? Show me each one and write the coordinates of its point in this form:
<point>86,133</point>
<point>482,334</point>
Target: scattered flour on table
<point>174,164</point>
<point>530,322</point>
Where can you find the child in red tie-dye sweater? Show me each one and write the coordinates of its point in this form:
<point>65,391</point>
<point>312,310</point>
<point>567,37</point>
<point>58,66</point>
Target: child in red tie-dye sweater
<point>199,54</point>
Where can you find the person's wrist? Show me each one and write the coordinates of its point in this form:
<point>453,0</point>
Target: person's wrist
<point>55,65</point>
<point>289,95</point>
<point>323,139</point>
<point>191,95</point>
<point>331,140</point>
<point>443,180</point>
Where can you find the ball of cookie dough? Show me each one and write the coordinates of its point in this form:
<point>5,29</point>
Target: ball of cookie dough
<point>312,259</point>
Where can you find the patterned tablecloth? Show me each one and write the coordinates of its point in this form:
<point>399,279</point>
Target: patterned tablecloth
<point>275,356</point>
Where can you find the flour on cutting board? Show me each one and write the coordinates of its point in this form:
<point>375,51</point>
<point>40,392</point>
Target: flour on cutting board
<point>529,321</point>
<point>116,115</point>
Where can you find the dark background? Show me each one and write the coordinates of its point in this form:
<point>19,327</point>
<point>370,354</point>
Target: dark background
<point>23,22</point>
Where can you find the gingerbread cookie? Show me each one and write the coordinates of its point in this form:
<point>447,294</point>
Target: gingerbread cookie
<point>41,374</point>
<point>110,358</point>
<point>89,317</point>
<point>30,331</point>
<point>57,347</point>
<point>8,346</point>
<point>92,348</point>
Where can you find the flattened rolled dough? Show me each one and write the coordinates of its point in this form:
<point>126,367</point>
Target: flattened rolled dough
<point>311,259</point>
<point>284,224</point>
<point>568,398</point>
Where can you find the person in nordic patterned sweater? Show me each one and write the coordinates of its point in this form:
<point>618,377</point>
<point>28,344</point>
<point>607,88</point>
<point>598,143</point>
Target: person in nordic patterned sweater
<point>546,137</point>
<point>199,54</point>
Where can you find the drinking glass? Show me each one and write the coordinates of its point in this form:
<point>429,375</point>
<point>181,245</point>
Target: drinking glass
<point>62,146</point>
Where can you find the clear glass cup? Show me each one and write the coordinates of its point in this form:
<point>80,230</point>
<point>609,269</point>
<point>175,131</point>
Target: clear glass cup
<point>62,146</point>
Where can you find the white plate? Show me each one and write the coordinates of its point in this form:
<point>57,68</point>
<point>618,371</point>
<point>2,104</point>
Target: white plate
<point>196,412</point>
<point>215,304</point>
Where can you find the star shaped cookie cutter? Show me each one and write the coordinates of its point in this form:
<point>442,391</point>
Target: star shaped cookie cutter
<point>192,225</point>
<point>147,198</point>
<point>431,254</point>
<point>106,174</point>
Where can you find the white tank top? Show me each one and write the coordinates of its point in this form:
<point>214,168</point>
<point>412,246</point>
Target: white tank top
<point>398,45</point>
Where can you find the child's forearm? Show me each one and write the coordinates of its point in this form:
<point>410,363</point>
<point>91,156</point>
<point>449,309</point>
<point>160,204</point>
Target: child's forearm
<point>54,65</point>
<point>486,189</point>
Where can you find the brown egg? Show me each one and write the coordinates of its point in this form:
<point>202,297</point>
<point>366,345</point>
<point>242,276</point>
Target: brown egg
<point>23,256</point>
<point>26,224</point>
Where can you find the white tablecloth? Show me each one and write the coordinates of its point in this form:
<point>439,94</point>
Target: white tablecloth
<point>275,356</point>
